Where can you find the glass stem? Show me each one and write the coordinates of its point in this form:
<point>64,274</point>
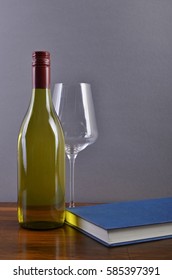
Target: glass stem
<point>72,158</point>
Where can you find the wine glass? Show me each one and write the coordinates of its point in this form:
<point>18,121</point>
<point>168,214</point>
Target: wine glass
<point>74,106</point>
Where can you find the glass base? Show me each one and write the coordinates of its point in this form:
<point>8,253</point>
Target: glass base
<point>72,204</point>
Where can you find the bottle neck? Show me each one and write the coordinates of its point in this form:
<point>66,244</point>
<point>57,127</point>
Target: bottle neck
<point>41,101</point>
<point>41,77</point>
<point>41,96</point>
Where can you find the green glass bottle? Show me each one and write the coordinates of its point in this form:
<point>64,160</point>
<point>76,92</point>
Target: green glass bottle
<point>41,156</point>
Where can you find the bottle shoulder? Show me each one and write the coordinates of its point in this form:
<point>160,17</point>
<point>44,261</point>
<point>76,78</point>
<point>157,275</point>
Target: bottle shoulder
<point>41,119</point>
<point>45,125</point>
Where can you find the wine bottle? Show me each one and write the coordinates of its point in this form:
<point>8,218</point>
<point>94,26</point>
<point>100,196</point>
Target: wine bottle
<point>41,156</point>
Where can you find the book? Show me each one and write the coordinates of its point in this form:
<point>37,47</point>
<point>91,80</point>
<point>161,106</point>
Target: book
<point>126,222</point>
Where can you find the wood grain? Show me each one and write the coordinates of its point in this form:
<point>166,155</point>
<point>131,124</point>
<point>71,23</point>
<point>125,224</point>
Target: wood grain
<point>67,243</point>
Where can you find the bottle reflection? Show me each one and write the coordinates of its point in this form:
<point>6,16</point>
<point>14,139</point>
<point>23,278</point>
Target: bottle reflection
<point>58,244</point>
<point>43,245</point>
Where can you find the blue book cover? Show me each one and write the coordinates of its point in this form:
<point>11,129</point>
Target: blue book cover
<point>125,222</point>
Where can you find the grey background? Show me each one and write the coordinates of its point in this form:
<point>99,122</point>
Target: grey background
<point>124,49</point>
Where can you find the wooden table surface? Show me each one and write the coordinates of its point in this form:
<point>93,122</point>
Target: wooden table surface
<point>67,243</point>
